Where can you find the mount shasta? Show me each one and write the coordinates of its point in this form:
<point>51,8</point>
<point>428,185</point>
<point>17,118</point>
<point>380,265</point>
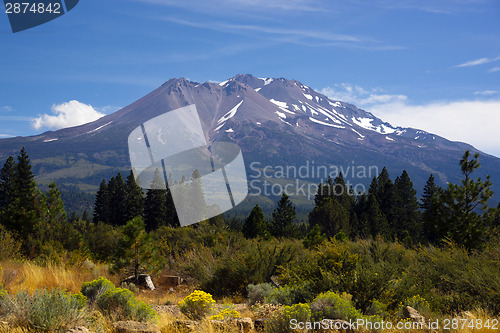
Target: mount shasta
<point>276,122</point>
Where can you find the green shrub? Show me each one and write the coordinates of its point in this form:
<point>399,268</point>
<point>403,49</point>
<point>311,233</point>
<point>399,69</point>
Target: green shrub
<point>282,295</point>
<point>116,303</point>
<point>93,289</point>
<point>197,305</point>
<point>258,292</point>
<point>120,304</point>
<point>46,311</point>
<point>378,309</point>
<point>130,286</point>
<point>330,305</point>
<point>281,321</point>
<point>291,294</point>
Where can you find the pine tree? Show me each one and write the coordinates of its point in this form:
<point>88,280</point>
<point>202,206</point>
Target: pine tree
<point>118,200</point>
<point>134,248</point>
<point>331,217</point>
<point>256,225</point>
<point>7,188</point>
<point>135,198</point>
<point>55,205</point>
<point>429,210</point>
<point>362,229</point>
<point>387,200</point>
<point>23,179</point>
<point>376,219</point>
<point>410,225</point>
<point>21,214</point>
<point>458,204</point>
<point>341,193</point>
<point>283,217</point>
<point>102,204</point>
<point>155,205</point>
<point>85,216</point>
<point>324,191</point>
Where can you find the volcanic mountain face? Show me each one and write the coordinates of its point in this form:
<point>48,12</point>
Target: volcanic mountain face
<point>277,123</point>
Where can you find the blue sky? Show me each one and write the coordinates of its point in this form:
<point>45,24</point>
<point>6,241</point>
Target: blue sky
<point>433,65</point>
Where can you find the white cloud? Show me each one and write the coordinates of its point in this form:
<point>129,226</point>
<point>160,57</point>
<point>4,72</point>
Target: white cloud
<point>5,136</point>
<point>486,92</point>
<point>494,69</point>
<point>474,121</point>
<point>471,121</point>
<point>360,96</point>
<point>72,113</point>
<point>6,108</point>
<point>477,62</point>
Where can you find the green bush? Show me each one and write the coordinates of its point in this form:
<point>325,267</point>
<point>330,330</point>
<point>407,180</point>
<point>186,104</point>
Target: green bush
<point>258,292</point>
<point>46,311</point>
<point>330,305</point>
<point>120,304</point>
<point>378,309</point>
<point>197,305</point>
<point>281,321</point>
<point>93,289</point>
<point>116,303</point>
<point>282,295</point>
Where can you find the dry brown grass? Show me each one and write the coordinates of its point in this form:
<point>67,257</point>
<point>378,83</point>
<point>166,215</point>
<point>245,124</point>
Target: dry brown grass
<point>16,276</point>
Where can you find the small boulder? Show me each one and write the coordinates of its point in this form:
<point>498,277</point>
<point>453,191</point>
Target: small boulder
<point>245,325</point>
<point>414,315</point>
<point>134,327</point>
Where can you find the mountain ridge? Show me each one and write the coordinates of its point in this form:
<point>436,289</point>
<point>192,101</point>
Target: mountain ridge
<point>275,121</point>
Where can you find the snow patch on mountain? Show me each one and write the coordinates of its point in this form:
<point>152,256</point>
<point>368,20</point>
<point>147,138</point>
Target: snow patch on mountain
<point>278,103</point>
<point>230,114</point>
<point>323,123</point>
<point>281,114</point>
<point>361,135</point>
<point>98,128</point>
<point>267,80</point>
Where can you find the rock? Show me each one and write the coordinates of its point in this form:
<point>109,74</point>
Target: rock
<point>78,329</point>
<point>274,280</point>
<point>260,324</point>
<point>245,325</point>
<point>185,325</point>
<point>466,315</point>
<point>143,280</point>
<point>414,315</point>
<point>134,327</point>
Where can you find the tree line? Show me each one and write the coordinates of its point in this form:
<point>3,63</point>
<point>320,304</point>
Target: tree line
<point>390,209</point>
<point>457,213</point>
